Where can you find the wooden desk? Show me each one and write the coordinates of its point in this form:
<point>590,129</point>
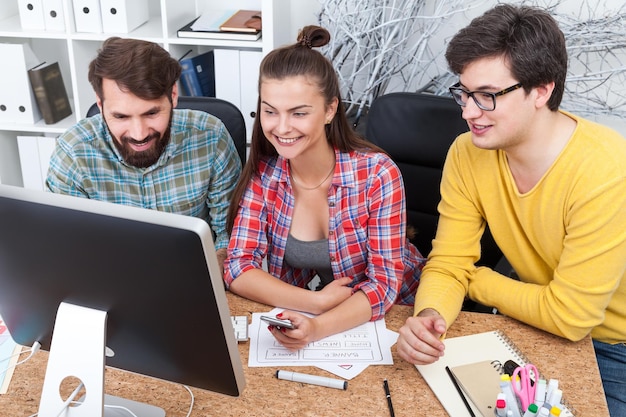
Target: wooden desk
<point>573,364</point>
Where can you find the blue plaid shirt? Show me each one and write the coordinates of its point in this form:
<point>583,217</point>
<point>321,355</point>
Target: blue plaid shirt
<point>366,232</point>
<point>194,176</point>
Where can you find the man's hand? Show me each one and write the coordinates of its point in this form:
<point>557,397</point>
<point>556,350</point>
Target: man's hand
<point>420,338</point>
<point>221,257</point>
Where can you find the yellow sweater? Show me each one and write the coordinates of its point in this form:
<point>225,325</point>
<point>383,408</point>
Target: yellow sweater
<point>565,238</point>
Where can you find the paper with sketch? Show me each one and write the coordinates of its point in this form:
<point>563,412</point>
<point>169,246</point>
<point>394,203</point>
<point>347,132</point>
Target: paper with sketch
<point>345,354</point>
<point>8,357</point>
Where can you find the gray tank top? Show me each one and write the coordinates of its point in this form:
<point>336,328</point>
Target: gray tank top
<point>310,255</point>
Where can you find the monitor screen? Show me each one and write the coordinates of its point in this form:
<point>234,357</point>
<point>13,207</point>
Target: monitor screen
<point>155,275</point>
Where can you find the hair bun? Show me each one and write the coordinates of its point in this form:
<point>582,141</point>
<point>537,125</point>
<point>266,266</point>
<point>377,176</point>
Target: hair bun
<point>313,36</point>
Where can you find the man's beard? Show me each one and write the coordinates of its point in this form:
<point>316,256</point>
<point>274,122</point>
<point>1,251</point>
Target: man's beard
<point>150,156</point>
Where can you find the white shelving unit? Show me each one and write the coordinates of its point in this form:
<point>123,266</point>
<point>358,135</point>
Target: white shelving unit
<point>74,50</point>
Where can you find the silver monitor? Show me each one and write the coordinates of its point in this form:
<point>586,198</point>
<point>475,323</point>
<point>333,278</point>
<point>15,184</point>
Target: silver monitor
<point>151,279</point>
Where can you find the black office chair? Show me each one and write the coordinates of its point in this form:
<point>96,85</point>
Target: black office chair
<point>416,129</point>
<point>227,112</point>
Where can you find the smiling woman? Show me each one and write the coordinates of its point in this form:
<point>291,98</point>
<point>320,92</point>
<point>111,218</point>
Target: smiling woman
<point>322,204</point>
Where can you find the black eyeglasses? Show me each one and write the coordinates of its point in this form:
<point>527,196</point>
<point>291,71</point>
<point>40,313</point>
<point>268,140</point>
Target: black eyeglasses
<point>484,100</point>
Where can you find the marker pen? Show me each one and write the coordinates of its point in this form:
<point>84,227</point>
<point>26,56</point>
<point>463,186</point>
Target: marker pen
<point>552,385</point>
<point>544,411</point>
<point>511,401</point>
<point>501,405</point>
<point>531,411</point>
<point>312,379</point>
<point>540,393</point>
<point>555,396</point>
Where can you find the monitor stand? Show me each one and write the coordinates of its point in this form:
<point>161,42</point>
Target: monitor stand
<point>78,350</point>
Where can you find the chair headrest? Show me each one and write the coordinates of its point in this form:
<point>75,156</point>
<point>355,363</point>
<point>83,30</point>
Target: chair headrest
<point>415,128</point>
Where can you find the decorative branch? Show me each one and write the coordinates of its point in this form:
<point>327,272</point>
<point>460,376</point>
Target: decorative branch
<point>380,46</point>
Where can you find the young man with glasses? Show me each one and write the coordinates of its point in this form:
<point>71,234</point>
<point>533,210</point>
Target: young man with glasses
<point>550,185</point>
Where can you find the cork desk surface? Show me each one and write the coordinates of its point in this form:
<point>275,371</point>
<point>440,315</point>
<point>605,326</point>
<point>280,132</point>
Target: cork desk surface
<point>574,364</point>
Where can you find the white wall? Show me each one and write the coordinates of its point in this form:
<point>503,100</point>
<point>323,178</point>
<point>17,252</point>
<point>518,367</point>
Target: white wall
<point>303,12</point>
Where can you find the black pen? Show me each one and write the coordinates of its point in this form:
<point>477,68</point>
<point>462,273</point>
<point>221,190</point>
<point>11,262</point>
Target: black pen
<point>388,394</point>
<point>460,391</point>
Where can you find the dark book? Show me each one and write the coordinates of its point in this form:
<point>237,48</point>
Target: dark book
<point>188,31</point>
<point>198,75</point>
<point>47,84</point>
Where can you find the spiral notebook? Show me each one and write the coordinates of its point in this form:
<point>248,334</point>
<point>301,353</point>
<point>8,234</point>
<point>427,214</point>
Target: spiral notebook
<point>486,351</point>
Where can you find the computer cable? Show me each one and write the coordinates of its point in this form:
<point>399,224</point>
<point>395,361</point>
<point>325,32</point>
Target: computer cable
<point>33,349</point>
<point>192,399</point>
<point>70,399</point>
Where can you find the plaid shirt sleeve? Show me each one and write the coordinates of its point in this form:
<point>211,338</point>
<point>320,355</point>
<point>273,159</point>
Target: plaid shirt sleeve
<point>371,235</point>
<point>225,171</point>
<point>248,240</point>
<point>63,176</point>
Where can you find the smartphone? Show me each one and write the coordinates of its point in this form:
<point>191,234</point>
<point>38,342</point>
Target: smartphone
<point>278,322</point>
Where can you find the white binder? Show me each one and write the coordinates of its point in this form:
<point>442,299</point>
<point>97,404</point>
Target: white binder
<point>29,162</point>
<point>54,15</point>
<point>35,153</point>
<point>17,99</point>
<point>45,146</point>
<point>87,16</point>
<point>249,62</point>
<point>123,16</point>
<point>227,75</point>
<point>31,14</point>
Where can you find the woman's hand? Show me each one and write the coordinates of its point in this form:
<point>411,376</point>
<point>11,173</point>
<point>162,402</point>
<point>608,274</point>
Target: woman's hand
<point>333,294</point>
<point>306,330</point>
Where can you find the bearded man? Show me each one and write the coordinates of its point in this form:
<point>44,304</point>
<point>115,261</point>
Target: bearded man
<point>140,150</point>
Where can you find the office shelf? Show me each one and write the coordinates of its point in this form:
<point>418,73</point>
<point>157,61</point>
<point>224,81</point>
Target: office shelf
<point>74,50</point>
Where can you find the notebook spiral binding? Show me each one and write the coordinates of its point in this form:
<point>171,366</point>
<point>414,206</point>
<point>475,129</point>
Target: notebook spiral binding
<point>523,360</point>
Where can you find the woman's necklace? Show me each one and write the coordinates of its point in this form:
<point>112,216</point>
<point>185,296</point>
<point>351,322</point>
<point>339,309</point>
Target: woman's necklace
<point>332,169</point>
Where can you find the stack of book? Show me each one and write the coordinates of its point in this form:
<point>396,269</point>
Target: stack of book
<point>228,25</point>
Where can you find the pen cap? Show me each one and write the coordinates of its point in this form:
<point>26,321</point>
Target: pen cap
<point>540,393</point>
<point>543,412</point>
<point>555,411</point>
<point>531,411</point>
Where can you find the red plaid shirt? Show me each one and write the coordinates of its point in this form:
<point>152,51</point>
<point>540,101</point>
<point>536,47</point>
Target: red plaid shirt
<point>367,229</point>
